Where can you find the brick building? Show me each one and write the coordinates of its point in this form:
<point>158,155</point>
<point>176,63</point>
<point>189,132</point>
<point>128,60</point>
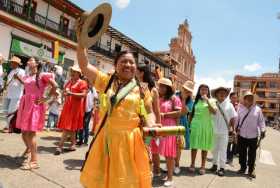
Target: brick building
<point>267,89</point>
<point>180,56</point>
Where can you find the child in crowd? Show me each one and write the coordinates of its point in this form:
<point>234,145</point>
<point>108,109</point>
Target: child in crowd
<point>54,105</point>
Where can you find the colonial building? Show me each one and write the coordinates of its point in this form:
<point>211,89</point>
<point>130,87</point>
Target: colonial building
<point>30,28</point>
<point>267,89</point>
<point>180,56</point>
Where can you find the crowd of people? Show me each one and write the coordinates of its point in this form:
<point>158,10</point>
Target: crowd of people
<point>215,120</point>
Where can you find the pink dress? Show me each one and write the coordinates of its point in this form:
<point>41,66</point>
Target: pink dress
<point>31,116</point>
<point>167,145</point>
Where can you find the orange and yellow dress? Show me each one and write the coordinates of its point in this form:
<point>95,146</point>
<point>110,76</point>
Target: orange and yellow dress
<point>118,158</point>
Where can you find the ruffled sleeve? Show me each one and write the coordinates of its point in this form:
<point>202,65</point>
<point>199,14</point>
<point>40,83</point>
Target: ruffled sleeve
<point>101,81</point>
<point>46,77</point>
<point>83,85</point>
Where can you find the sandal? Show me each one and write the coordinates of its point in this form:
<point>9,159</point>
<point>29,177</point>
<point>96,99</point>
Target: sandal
<point>58,151</point>
<point>191,169</point>
<point>25,154</point>
<point>30,166</point>
<point>72,148</point>
<point>202,171</point>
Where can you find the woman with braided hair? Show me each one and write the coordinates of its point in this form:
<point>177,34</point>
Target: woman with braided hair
<point>117,157</point>
<point>31,111</point>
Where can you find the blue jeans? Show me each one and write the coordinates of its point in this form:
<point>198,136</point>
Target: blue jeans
<point>84,133</point>
<point>52,120</point>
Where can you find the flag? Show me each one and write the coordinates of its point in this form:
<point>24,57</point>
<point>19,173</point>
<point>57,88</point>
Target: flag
<point>56,50</point>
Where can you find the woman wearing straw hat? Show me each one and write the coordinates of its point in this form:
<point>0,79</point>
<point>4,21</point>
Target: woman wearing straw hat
<point>72,115</point>
<point>202,126</point>
<point>187,104</point>
<point>170,108</point>
<point>118,157</point>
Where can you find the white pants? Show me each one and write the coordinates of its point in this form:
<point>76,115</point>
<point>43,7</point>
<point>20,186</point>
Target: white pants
<point>220,150</point>
<point>10,105</point>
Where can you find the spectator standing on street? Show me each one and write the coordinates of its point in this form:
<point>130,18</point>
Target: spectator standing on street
<point>83,134</point>
<point>72,116</point>
<point>14,89</point>
<point>202,127</point>
<point>54,106</point>
<point>232,144</point>
<point>250,122</point>
<point>170,109</point>
<point>145,77</point>
<point>224,121</point>
<point>31,113</point>
<point>187,104</point>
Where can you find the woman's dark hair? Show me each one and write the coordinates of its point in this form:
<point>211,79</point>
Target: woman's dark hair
<point>120,54</point>
<point>232,93</point>
<point>199,97</point>
<point>187,99</point>
<point>147,76</point>
<point>39,70</point>
<point>169,92</point>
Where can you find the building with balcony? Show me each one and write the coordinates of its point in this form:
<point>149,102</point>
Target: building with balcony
<point>180,56</point>
<point>30,27</point>
<point>267,89</point>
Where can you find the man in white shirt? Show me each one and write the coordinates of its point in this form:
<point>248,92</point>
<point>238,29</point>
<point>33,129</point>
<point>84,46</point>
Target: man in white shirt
<point>84,133</point>
<point>14,88</point>
<point>224,124</point>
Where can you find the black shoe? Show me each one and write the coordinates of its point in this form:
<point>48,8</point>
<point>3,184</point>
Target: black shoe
<point>58,151</point>
<point>214,168</point>
<point>241,171</point>
<point>252,174</point>
<point>221,172</point>
<point>79,143</point>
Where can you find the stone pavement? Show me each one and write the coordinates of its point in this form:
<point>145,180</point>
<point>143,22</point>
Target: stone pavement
<point>63,171</point>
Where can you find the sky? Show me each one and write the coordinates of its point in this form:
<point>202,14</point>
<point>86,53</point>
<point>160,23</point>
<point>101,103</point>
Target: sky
<point>229,36</point>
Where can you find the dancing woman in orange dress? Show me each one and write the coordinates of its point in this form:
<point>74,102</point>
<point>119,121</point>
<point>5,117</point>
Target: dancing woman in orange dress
<point>118,158</point>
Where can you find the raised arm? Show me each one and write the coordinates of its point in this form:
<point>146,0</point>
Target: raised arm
<point>90,71</point>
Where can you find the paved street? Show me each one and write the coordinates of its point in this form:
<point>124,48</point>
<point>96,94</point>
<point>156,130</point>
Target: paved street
<point>63,171</point>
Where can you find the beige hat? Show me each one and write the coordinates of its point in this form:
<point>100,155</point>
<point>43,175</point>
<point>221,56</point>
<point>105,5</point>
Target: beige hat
<point>76,68</point>
<point>188,85</point>
<point>16,60</point>
<point>165,81</point>
<point>95,24</point>
<point>214,91</point>
<point>248,93</point>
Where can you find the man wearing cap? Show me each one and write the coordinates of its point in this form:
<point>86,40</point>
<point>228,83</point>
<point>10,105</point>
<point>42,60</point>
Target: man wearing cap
<point>250,122</point>
<point>224,124</point>
<point>14,88</point>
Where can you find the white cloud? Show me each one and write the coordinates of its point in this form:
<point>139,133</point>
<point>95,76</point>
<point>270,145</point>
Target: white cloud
<point>252,67</point>
<point>213,82</point>
<point>122,4</point>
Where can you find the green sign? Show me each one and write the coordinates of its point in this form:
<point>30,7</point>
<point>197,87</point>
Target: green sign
<point>26,49</point>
